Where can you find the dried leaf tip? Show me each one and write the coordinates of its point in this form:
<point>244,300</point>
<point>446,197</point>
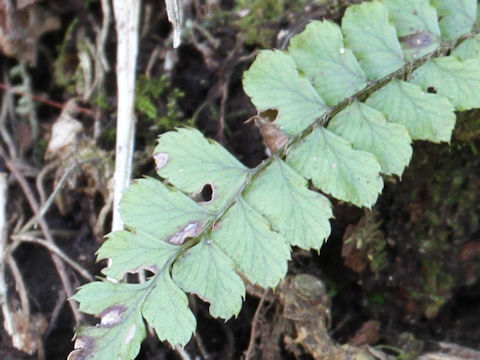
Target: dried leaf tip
<point>272,134</point>
<point>83,347</point>
<point>161,159</point>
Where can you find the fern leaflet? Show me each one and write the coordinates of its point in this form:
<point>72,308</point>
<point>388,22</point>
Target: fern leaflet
<point>351,99</point>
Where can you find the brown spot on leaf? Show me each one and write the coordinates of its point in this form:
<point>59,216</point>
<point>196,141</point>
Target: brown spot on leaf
<point>417,40</point>
<point>217,226</point>
<point>161,159</point>
<point>192,229</point>
<point>112,316</point>
<point>83,348</point>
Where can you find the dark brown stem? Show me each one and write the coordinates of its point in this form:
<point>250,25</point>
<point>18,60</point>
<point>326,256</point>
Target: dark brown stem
<point>46,232</point>
<point>250,352</point>
<point>45,101</point>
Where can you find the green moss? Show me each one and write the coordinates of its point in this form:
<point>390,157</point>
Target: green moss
<point>157,103</point>
<point>437,288</point>
<point>370,240</point>
<point>260,19</point>
<point>148,90</point>
<point>439,208</point>
<point>468,127</point>
<point>102,102</point>
<point>377,298</point>
<point>256,26</point>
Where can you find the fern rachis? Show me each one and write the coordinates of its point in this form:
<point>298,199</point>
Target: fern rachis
<point>349,101</point>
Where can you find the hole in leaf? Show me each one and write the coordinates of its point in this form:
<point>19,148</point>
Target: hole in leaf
<point>432,90</point>
<point>270,114</point>
<point>206,193</point>
<point>148,274</point>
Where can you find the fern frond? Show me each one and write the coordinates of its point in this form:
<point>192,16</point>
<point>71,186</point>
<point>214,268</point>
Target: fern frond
<point>351,99</point>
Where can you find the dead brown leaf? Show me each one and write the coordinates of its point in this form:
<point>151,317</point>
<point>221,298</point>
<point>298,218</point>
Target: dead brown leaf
<point>21,25</point>
<point>368,334</point>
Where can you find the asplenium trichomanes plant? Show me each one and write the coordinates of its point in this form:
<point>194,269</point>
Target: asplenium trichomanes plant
<point>349,102</point>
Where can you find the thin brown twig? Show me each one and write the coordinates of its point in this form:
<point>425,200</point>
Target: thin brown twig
<point>146,21</point>
<point>55,313</point>
<point>102,214</point>
<point>43,100</point>
<point>212,40</point>
<point>225,91</point>
<point>201,346</point>
<point>6,137</point>
<point>101,40</point>
<point>152,60</point>
<point>223,105</point>
<point>57,251</point>
<point>46,205</point>
<point>46,232</point>
<point>182,353</point>
<point>230,345</point>
<point>55,232</point>
<point>251,344</point>
<point>19,285</point>
<point>40,177</point>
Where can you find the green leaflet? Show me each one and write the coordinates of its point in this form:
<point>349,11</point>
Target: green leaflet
<point>121,330</point>
<point>457,17</point>
<point>457,80</point>
<point>298,214</point>
<point>190,168</point>
<point>426,116</point>
<point>320,54</point>
<point>417,26</point>
<point>144,252</point>
<point>337,169</point>
<point>368,130</point>
<point>468,49</point>
<point>164,213</point>
<point>255,215</point>
<point>373,39</point>
<point>121,306</point>
<point>166,310</point>
<point>273,82</point>
<point>258,252</point>
<point>206,271</point>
